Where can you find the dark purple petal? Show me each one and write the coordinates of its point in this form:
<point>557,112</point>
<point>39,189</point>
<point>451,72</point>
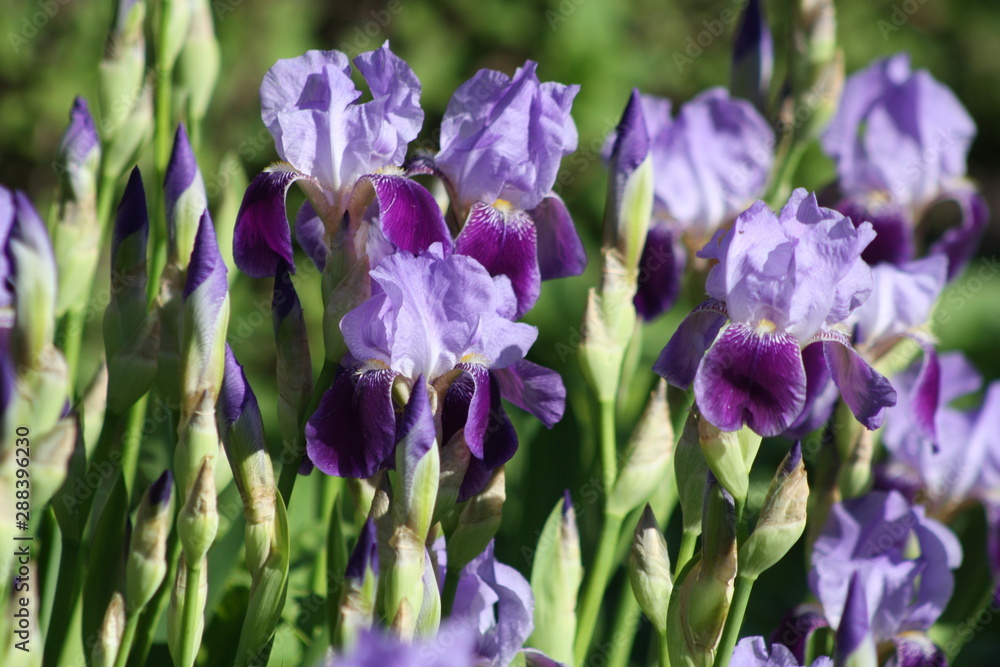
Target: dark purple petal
<point>182,173</point>
<point>80,145</point>
<point>535,658</point>
<point>915,650</point>
<point>160,491</point>
<point>894,229</point>
<point>534,389</point>
<point>206,266</point>
<point>678,362</point>
<point>631,144</point>
<point>234,395</point>
<point>866,391</point>
<point>505,243</point>
<point>416,429</point>
<point>661,272</point>
<point>284,298</point>
<point>927,391</point>
<point>753,57</point>
<point>310,233</point>
<point>751,377</point>
<point>479,415</point>
<point>821,394</point>
<point>365,553</point>
<point>854,630</point>
<point>560,250</point>
<point>797,627</point>
<point>132,218</point>
<point>409,216</point>
<point>959,244</point>
<point>353,431</point>
<point>262,238</point>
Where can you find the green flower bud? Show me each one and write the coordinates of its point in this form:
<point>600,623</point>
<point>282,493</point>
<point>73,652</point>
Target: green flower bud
<point>854,477</point>
<point>32,275</point>
<point>123,146</point>
<point>818,65</point>
<point>120,74</point>
<point>690,469</point>
<point>647,457</point>
<point>198,64</point>
<point>229,184</point>
<point>724,456</point>
<point>110,637</point>
<point>649,570</point>
<point>356,608</point>
<point>41,393</point>
<point>50,455</point>
<point>478,522</point>
<point>147,555</point>
<point>172,27</point>
<point>556,575</point>
<point>198,520</point>
<point>782,519</point>
<point>175,612</point>
<point>608,323</point>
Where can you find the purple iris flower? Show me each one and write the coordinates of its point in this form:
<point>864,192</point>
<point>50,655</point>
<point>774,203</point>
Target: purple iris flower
<point>343,152</point>
<point>900,303</point>
<point>709,164</point>
<point>442,317</point>
<point>502,139</point>
<point>453,646</point>
<point>782,282</point>
<point>874,537</point>
<point>900,140</point>
<point>754,652</point>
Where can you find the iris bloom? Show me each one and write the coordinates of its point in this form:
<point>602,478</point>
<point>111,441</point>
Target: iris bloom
<point>873,537</point>
<point>782,283</point>
<point>709,164</point>
<point>502,139</point>
<point>900,140</point>
<point>444,318</point>
<point>343,153</point>
<point>754,652</point>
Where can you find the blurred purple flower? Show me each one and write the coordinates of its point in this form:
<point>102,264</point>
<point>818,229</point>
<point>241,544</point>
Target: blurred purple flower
<point>453,646</point>
<point>502,139</point>
<point>781,284</point>
<point>445,318</point>
<point>754,652</point>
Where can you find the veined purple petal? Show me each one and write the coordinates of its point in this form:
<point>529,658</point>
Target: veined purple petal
<point>353,431</point>
<point>894,229</point>
<point>480,407</point>
<point>917,650</point>
<point>751,377</point>
<point>534,389</point>
<point>927,392</point>
<point>678,362</point>
<point>310,233</point>
<point>661,272</point>
<point>959,244</point>
<point>535,658</point>
<point>560,250</point>
<point>866,391</point>
<point>207,266</point>
<point>365,553</point>
<point>409,216</point>
<point>821,394</point>
<point>262,238</point>
<point>505,243</point>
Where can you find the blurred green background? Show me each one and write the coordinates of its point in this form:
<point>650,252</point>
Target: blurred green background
<point>49,53</point>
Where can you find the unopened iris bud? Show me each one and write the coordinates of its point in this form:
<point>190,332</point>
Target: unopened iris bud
<point>123,66</point>
<point>478,522</point>
<point>608,323</point>
<point>818,72</point>
<point>198,521</point>
<point>782,518</point>
<point>110,637</point>
<point>854,477</point>
<point>131,334</point>
<point>206,317</point>
<point>78,157</point>
<point>122,148</point>
<point>855,645</point>
<point>50,454</point>
<point>556,575</point>
<point>198,64</point>
<point>356,610</point>
<point>718,532</point>
<point>690,470</point>
<point>147,555</point>
<point>647,457</point>
<point>753,57</point>
<point>174,23</point>
<point>429,619</point>
<point>294,367</point>
<point>630,187</point>
<point>649,570</point>
<point>724,456</point>
<point>242,431</point>
<point>185,199</point>
<point>33,277</point>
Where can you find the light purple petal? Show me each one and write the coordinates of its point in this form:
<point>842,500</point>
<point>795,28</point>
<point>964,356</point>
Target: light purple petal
<point>409,216</point>
<point>365,552</point>
<point>854,631</point>
<point>353,431</point>
<point>535,389</point>
<point>902,298</point>
<point>753,378</point>
<point>754,652</point>
<point>261,238</point>
<point>416,427</point>
<point>79,145</point>
<point>560,250</point>
<point>866,391</point>
<point>678,362</point>
<point>206,267</point>
<point>661,272</point>
<point>505,243</point>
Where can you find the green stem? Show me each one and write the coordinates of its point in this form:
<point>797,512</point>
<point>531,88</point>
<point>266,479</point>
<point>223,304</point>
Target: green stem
<point>448,595</point>
<point>290,470</point>
<point>99,461</point>
<point>609,450</point>
<point>71,336</point>
<point>127,638</point>
<point>688,542</point>
<point>781,186</point>
<point>664,653</point>
<point>734,621</point>
<point>161,155</point>
<point>154,608</point>
<point>597,582</point>
<point>131,442</point>
<point>626,624</point>
<point>70,569</point>
<point>189,620</point>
